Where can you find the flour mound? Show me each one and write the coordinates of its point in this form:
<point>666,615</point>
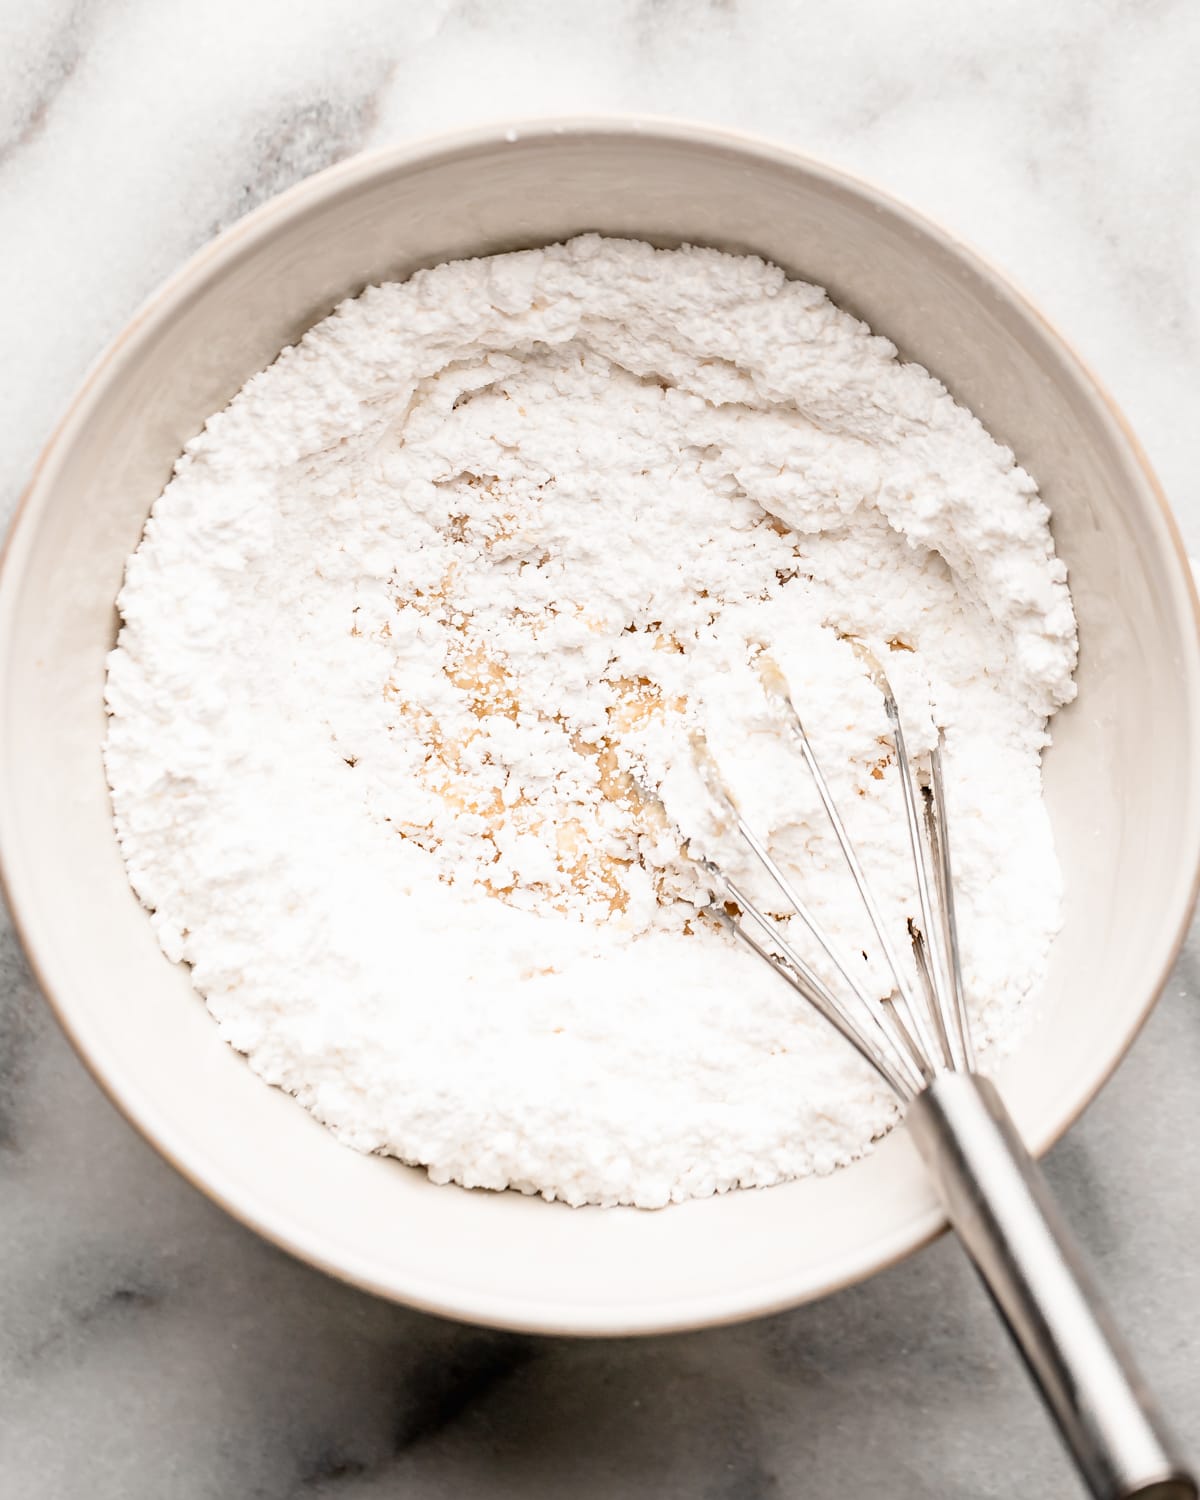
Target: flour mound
<point>411,652</point>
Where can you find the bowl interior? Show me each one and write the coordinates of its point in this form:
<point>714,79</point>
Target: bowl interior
<point>1120,780</point>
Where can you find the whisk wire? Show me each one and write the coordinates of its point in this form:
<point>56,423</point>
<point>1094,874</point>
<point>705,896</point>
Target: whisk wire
<point>939,839</point>
<point>883,1018</point>
<point>886,1027</point>
<point>933,969</point>
<point>791,967</point>
<point>914,1019</point>
<point>908,1043</point>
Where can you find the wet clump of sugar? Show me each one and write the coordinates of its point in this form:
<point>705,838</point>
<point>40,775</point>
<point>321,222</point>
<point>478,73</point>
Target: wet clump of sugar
<point>411,651</point>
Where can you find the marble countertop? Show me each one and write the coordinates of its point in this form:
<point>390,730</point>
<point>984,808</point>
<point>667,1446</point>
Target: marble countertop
<point>151,1347</point>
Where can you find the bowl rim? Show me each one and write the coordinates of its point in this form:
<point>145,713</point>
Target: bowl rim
<point>712,1309</point>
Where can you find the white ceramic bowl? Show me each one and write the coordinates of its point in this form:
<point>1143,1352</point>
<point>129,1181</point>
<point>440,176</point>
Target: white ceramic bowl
<point>1121,779</point>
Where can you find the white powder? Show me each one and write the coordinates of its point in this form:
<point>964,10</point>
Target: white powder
<point>427,609</point>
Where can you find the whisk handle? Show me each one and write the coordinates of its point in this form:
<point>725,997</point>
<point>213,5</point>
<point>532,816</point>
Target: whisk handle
<point>997,1199</point>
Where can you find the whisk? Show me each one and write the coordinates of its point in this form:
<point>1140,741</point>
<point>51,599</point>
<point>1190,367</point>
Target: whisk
<point>919,1042</point>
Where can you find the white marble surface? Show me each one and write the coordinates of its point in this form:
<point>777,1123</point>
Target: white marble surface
<point>149,1347</point>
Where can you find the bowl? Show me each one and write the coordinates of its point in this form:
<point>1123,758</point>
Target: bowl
<point>1122,780</point>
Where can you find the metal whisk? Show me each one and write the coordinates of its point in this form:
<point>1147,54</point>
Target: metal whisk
<point>918,1041</point>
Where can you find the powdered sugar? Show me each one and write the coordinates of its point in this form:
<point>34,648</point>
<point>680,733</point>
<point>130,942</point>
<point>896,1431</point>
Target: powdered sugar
<point>430,609</point>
